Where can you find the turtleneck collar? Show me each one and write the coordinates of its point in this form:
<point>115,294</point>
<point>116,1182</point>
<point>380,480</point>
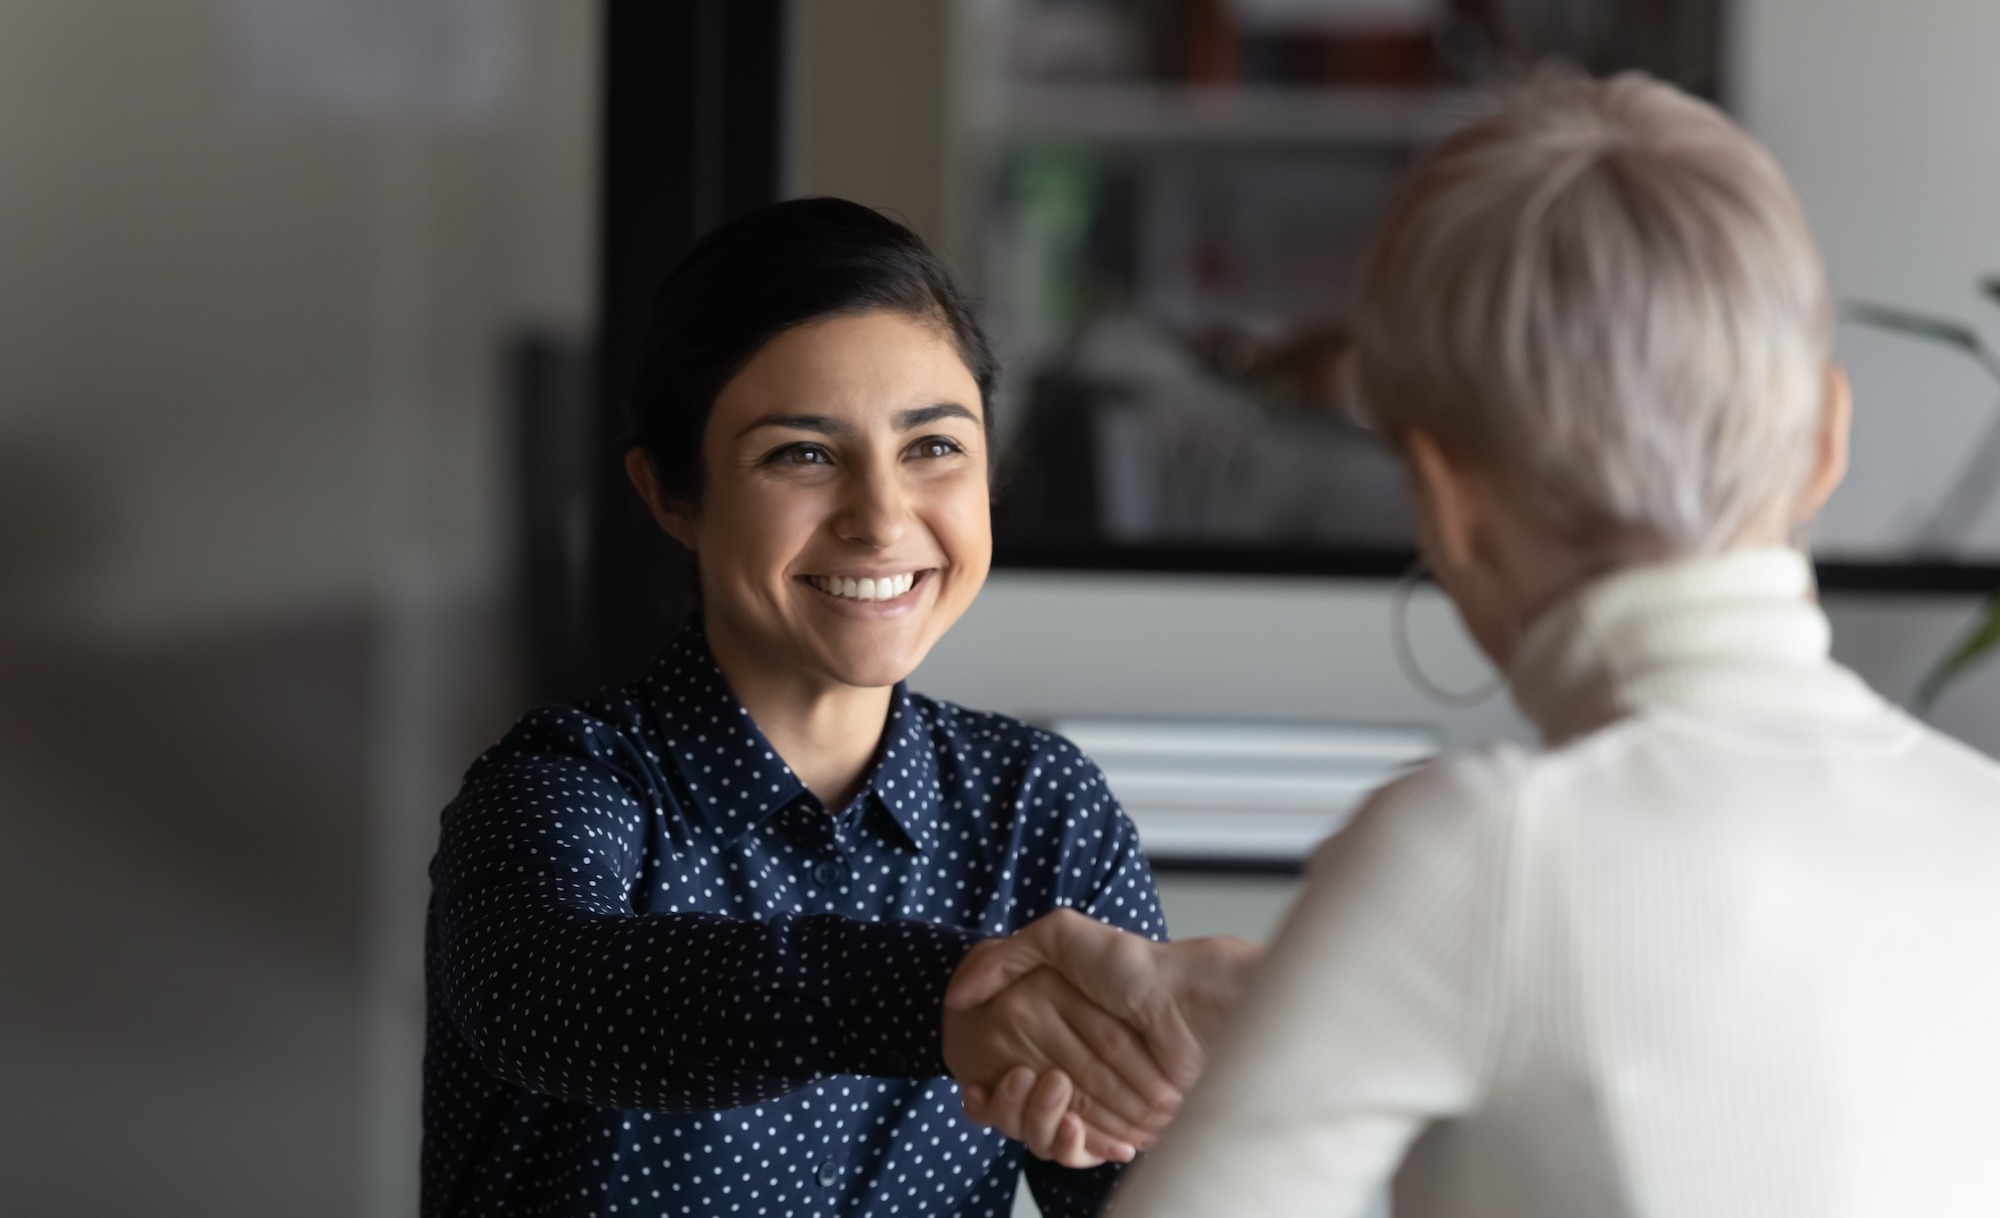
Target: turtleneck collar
<point>1737,636</point>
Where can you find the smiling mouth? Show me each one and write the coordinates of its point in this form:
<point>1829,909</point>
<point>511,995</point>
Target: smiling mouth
<point>884,588</point>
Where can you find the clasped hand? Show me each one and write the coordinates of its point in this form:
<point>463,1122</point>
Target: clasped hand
<point>1080,1039</point>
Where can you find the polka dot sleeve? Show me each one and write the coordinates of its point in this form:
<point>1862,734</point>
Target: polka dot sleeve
<point>558,986</point>
<point>1103,873</point>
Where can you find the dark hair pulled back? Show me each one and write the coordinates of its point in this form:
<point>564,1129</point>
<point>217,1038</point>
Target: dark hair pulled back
<point>757,276</point>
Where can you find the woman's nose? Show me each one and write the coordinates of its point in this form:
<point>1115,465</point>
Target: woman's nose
<point>875,511</point>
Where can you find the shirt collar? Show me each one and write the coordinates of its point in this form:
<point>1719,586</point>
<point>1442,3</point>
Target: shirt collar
<point>736,779</point>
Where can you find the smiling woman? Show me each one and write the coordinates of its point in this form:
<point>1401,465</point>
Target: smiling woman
<point>690,938</point>
<point>840,526</point>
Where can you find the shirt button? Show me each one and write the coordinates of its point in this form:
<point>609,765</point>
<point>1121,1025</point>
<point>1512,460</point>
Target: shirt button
<point>828,873</point>
<point>896,1062</point>
<point>829,1171</point>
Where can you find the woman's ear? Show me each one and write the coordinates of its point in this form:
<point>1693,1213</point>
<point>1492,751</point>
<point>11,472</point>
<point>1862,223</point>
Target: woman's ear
<point>1448,504</point>
<point>669,512</point>
<point>1830,459</point>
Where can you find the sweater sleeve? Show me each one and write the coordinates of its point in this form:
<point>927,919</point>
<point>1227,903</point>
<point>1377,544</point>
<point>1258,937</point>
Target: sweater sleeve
<point>1369,1019</point>
<point>557,985</point>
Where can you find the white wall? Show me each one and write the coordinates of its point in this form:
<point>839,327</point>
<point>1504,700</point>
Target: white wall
<point>1882,112</point>
<point>206,305</point>
<point>1045,644</point>
<point>251,541</point>
<point>1041,645</point>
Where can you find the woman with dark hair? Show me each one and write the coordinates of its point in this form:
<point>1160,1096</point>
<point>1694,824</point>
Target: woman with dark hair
<point>689,939</point>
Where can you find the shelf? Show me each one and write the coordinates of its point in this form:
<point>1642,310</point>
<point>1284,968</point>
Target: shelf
<point>1885,576</point>
<point>1221,835</point>
<point>1182,114</point>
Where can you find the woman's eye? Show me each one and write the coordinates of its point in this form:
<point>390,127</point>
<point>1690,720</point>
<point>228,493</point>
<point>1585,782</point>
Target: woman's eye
<point>936,446</point>
<point>801,454</point>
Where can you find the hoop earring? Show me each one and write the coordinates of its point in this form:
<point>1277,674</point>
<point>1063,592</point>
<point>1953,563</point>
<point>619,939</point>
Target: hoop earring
<point>1406,655</point>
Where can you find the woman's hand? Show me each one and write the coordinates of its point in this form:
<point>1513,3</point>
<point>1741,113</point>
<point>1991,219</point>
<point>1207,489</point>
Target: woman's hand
<point>1040,1026</point>
<point>1172,996</point>
<point>1034,1110</point>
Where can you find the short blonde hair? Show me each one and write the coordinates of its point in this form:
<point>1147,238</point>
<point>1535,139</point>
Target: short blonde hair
<point>1608,293</point>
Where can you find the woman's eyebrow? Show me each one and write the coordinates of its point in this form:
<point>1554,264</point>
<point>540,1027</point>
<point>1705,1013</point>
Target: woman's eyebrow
<point>823,424</point>
<point>931,414</point>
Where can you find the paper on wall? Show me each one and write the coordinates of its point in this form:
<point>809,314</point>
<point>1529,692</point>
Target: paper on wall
<point>447,61</point>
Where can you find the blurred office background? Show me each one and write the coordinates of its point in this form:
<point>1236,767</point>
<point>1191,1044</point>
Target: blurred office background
<point>296,302</point>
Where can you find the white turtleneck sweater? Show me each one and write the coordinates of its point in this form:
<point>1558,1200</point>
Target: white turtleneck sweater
<point>1728,945</point>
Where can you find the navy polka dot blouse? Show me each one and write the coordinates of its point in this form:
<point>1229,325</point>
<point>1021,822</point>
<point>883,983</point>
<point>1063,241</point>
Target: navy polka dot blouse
<point>664,979</point>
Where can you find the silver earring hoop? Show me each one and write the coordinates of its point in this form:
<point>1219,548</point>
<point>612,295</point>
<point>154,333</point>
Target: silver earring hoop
<point>1406,655</point>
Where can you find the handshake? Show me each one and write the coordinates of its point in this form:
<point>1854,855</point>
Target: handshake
<point>1079,1039</point>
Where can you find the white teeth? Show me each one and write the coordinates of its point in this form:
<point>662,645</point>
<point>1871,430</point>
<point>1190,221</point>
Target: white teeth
<point>887,588</point>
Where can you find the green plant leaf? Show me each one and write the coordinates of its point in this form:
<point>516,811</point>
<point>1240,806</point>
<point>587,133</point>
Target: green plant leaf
<point>1972,647</point>
<point>1921,325</point>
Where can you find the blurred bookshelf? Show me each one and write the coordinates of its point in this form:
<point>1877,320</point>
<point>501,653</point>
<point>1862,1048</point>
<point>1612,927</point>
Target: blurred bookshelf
<point>1165,206</point>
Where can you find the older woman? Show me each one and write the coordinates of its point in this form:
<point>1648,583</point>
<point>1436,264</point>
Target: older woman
<point>689,939</point>
<point>1725,944</point>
